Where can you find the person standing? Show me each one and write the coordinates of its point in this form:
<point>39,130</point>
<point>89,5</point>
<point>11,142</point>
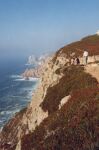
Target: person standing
<point>77,61</point>
<point>73,61</point>
<point>85,57</point>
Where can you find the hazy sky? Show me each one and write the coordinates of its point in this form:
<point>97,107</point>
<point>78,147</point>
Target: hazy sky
<point>37,26</point>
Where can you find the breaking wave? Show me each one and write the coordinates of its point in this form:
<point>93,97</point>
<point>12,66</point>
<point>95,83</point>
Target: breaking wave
<point>15,95</point>
<point>20,78</point>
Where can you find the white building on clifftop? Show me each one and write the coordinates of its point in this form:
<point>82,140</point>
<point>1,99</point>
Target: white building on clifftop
<point>97,32</point>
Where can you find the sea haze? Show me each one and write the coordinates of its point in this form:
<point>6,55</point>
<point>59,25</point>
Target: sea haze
<point>15,92</point>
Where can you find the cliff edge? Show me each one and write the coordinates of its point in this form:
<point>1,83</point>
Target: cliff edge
<point>65,106</point>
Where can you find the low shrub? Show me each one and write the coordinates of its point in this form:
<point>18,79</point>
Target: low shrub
<point>75,126</point>
<point>74,78</point>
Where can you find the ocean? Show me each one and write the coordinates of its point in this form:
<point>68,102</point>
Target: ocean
<point>15,92</point>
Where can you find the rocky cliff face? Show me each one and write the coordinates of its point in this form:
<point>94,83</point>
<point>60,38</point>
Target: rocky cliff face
<point>55,107</point>
<point>34,73</point>
<point>38,70</point>
<point>26,120</point>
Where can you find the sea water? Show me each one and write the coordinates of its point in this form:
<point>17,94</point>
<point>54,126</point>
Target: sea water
<point>15,91</point>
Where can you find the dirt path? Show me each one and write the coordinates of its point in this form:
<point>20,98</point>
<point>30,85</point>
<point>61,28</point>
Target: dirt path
<point>93,69</point>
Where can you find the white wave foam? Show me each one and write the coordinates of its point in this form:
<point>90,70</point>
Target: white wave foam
<point>16,76</point>
<point>21,79</point>
<point>33,79</point>
<point>29,79</point>
<point>5,112</point>
<point>9,112</point>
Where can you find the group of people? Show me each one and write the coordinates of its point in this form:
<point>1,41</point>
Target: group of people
<point>76,60</point>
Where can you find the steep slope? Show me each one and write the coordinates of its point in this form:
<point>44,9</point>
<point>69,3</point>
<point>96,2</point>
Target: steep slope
<point>76,122</point>
<point>75,126</point>
<point>44,124</point>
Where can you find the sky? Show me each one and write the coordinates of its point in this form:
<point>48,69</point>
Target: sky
<point>39,26</point>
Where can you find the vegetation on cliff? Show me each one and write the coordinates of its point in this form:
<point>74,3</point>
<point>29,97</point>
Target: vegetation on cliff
<point>76,125</point>
<point>91,43</point>
<point>74,78</point>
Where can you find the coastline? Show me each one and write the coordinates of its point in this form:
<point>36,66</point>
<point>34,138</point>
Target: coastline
<point>15,96</point>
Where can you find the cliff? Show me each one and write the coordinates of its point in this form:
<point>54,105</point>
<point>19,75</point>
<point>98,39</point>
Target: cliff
<point>38,70</point>
<point>64,108</point>
<point>35,73</point>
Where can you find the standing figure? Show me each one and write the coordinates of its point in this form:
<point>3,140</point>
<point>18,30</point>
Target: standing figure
<point>85,57</point>
<point>77,61</point>
<point>73,61</point>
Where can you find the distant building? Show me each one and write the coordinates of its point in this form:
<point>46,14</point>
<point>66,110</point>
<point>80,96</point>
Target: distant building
<point>97,32</point>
